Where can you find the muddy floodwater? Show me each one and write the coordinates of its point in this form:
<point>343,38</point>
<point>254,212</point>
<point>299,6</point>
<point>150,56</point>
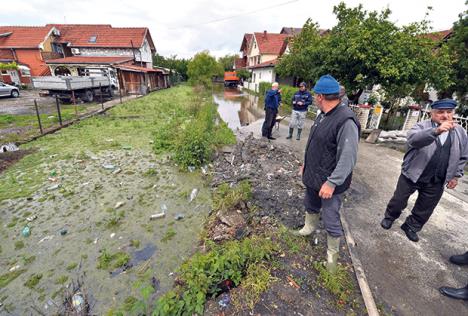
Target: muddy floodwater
<point>237,108</point>
<point>92,204</point>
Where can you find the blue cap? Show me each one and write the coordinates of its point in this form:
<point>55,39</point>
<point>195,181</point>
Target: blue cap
<point>444,104</point>
<point>327,85</point>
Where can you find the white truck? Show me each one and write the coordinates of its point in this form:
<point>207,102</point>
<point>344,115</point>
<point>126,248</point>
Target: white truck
<point>68,87</point>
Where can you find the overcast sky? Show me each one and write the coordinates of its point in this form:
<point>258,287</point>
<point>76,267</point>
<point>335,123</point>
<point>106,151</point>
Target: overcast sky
<point>186,27</point>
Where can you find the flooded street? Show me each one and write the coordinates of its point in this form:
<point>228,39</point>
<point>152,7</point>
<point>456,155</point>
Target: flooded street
<point>236,107</point>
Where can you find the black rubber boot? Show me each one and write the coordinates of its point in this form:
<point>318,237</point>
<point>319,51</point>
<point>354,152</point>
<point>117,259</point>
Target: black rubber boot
<point>460,294</point>
<point>461,260</point>
<point>299,131</point>
<point>291,130</point>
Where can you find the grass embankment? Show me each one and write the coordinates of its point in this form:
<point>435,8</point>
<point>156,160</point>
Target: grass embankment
<point>178,121</point>
<point>24,126</point>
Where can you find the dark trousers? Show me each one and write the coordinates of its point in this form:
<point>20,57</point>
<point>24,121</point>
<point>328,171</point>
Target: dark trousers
<point>270,119</point>
<point>429,195</point>
<point>330,210</point>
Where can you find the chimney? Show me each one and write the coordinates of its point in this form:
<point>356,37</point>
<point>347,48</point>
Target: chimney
<point>264,34</point>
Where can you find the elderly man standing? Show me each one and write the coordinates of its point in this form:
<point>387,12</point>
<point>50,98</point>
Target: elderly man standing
<point>436,156</point>
<point>272,103</point>
<point>330,156</point>
<point>300,101</point>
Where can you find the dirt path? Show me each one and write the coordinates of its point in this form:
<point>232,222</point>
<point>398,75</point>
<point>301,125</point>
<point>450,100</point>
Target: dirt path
<point>404,276</point>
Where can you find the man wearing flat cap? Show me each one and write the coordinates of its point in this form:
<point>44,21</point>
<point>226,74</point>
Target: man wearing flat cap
<point>330,156</point>
<point>300,101</point>
<point>436,156</point>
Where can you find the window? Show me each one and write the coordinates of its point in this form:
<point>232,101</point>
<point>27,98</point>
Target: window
<point>93,39</point>
<point>4,72</point>
<point>25,72</point>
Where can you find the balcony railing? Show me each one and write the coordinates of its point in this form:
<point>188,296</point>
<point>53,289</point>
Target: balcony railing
<point>51,55</point>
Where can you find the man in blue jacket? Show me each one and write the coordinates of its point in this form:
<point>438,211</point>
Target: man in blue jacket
<point>300,101</point>
<point>436,156</point>
<point>272,103</point>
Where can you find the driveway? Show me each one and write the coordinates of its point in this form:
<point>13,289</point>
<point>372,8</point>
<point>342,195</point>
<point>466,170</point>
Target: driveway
<point>24,104</point>
<point>404,276</point>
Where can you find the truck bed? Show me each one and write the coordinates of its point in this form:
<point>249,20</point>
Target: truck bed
<point>69,83</point>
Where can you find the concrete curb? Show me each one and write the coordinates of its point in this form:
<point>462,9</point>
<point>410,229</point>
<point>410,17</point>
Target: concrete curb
<point>359,271</point>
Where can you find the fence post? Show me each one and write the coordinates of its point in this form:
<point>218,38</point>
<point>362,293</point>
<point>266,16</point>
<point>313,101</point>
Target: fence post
<point>100,94</point>
<point>74,103</point>
<point>38,117</point>
<point>58,110</point>
<point>120,93</point>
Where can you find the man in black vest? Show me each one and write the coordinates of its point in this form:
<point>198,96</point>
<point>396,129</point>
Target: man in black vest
<point>436,155</point>
<point>330,157</point>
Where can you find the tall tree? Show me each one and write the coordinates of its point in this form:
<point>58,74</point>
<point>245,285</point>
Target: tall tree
<point>227,61</point>
<point>177,65</point>
<point>202,68</point>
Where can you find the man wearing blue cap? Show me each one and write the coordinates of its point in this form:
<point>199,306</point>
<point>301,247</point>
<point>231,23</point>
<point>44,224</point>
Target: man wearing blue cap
<point>436,156</point>
<point>272,103</point>
<point>330,156</point>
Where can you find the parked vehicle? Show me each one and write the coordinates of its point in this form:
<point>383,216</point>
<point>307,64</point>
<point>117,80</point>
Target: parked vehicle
<point>8,90</point>
<point>231,79</point>
<point>82,87</point>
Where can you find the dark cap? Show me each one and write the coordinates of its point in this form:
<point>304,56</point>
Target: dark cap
<point>302,84</point>
<point>444,104</point>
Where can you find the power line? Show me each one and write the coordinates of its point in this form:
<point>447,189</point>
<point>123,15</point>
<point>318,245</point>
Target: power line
<point>236,16</point>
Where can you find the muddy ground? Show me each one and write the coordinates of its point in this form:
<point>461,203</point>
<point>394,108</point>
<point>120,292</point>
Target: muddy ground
<point>9,158</point>
<point>277,206</point>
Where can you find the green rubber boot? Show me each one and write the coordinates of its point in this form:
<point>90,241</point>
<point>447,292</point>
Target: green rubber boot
<point>310,224</point>
<point>299,131</point>
<point>333,250</point>
<point>291,130</point>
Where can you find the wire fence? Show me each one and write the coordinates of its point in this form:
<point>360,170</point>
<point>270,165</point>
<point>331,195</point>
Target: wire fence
<point>33,114</point>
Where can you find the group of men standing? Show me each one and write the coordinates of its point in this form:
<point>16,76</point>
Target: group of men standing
<point>435,158</point>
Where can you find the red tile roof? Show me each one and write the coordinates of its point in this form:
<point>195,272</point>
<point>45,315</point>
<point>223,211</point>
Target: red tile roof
<point>270,63</point>
<point>22,36</point>
<point>271,43</point>
<point>246,42</point>
<point>439,36</point>
<point>138,68</point>
<point>78,35</point>
<point>89,60</point>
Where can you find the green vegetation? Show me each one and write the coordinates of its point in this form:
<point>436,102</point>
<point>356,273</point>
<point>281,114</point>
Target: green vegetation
<point>256,281</point>
<point>8,66</point>
<point>112,261</point>
<point>28,260</point>
<point>135,243</point>
<point>168,235</point>
<point>339,284</point>
<point>225,197</point>
<point>19,244</point>
<point>202,68</point>
<point>33,280</point>
<point>178,106</point>
<point>201,274</point>
<point>71,266</point>
<point>6,278</point>
<point>61,280</point>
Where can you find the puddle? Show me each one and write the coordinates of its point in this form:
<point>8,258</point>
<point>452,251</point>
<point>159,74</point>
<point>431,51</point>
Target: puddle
<point>101,210</point>
<point>237,108</point>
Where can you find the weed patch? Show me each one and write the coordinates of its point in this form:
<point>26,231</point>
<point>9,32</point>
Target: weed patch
<point>339,284</point>
<point>112,261</point>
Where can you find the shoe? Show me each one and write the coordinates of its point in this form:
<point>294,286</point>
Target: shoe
<point>386,223</point>
<point>461,294</point>
<point>299,131</point>
<point>291,130</point>
<point>460,260</point>
<point>333,251</point>
<point>271,138</point>
<point>411,234</point>
<point>310,224</point>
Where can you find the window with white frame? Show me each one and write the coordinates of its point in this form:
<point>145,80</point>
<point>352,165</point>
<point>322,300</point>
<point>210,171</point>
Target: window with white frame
<point>25,72</point>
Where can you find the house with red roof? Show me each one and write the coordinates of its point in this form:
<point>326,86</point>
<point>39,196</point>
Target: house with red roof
<point>78,49</point>
<point>263,52</point>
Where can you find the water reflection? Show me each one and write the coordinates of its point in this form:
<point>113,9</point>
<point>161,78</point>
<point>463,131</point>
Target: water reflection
<point>237,108</point>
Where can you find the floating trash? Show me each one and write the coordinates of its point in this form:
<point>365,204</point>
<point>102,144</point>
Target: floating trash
<point>193,195</point>
<point>179,216</point>
<point>112,235</point>
<point>45,238</point>
<point>78,302</point>
<point>14,268</point>
<point>117,171</point>
<point>63,232</point>
<point>164,207</point>
<point>26,231</point>
<point>204,169</point>
<point>31,218</point>
<point>225,300</point>
<point>119,204</point>
<point>8,147</point>
<point>54,187</point>
<point>157,215</point>
<point>191,168</point>
<point>108,166</point>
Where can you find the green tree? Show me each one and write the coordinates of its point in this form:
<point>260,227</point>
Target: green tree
<point>243,73</point>
<point>458,50</point>
<point>178,66</point>
<point>227,61</point>
<point>202,68</point>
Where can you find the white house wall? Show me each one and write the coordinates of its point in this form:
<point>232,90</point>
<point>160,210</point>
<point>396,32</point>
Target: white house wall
<point>266,74</point>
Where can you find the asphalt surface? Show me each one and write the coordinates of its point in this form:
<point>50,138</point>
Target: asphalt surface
<point>404,276</point>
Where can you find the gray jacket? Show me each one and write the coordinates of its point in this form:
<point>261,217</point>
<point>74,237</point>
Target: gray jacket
<point>422,145</point>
